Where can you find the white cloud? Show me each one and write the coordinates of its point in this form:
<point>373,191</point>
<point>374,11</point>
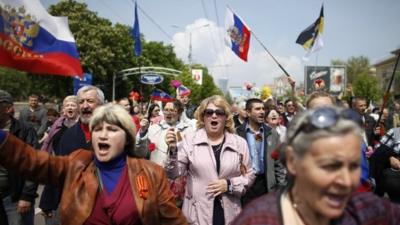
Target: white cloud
<point>208,48</point>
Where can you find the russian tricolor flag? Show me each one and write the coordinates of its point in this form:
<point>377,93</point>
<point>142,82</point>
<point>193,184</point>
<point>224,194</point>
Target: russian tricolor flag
<point>238,35</point>
<point>33,40</point>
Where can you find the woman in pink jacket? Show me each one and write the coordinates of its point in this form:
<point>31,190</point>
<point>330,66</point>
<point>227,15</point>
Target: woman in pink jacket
<point>216,162</point>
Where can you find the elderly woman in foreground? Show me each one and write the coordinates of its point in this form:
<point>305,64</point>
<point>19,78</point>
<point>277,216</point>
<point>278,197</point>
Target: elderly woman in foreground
<point>216,162</point>
<point>322,156</point>
<point>100,185</point>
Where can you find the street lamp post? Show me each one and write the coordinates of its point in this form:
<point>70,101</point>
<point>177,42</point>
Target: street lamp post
<point>190,43</point>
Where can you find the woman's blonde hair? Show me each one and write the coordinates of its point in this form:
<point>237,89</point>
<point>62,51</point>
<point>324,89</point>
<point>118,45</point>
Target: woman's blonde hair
<point>220,102</point>
<point>71,98</point>
<point>116,115</point>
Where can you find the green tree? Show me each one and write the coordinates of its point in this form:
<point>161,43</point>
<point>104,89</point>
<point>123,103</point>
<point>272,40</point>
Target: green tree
<point>355,66</point>
<point>367,86</point>
<point>104,50</point>
<point>15,82</point>
<point>199,92</point>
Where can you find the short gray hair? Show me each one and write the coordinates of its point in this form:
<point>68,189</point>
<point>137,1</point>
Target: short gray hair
<point>301,141</point>
<point>99,92</point>
<point>116,115</point>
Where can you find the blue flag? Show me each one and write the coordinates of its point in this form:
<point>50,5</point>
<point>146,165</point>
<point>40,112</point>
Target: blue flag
<point>136,34</point>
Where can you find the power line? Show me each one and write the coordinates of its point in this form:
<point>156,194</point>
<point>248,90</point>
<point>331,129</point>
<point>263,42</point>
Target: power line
<point>153,21</point>
<point>216,12</point>
<point>209,28</point>
<point>110,8</point>
<point>204,8</point>
<point>220,39</point>
<point>211,34</point>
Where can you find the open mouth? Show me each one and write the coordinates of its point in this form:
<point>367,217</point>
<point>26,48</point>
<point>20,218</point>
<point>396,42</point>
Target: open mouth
<point>103,146</point>
<point>336,200</point>
<point>86,113</point>
<point>214,123</point>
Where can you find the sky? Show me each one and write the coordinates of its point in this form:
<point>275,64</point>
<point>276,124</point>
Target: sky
<point>352,28</point>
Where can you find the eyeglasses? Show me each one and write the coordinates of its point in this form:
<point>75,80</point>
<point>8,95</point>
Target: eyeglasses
<point>210,112</point>
<point>324,118</point>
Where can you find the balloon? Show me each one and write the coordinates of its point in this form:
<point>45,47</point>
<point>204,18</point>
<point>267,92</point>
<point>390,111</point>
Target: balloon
<point>265,92</point>
<point>175,83</point>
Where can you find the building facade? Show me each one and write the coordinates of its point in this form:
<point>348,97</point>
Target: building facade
<point>384,70</point>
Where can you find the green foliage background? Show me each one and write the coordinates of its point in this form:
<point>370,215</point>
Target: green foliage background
<point>105,49</point>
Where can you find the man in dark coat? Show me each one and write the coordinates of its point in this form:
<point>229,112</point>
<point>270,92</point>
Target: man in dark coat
<point>75,137</point>
<point>18,195</point>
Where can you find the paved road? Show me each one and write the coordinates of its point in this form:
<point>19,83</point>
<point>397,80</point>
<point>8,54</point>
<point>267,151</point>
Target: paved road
<point>38,218</point>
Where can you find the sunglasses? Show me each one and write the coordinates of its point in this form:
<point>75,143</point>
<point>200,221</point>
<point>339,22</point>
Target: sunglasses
<point>210,112</point>
<point>324,118</point>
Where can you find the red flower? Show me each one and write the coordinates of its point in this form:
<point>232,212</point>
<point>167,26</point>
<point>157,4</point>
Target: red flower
<point>275,155</point>
<point>151,146</point>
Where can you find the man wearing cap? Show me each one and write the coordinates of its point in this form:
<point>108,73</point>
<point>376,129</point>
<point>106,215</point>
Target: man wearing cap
<point>18,195</point>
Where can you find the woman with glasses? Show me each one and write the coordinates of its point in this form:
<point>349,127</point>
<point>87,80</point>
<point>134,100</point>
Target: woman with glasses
<point>109,185</point>
<point>217,165</point>
<point>322,157</point>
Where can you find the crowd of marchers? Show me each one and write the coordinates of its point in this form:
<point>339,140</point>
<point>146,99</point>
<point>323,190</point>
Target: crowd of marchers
<point>123,162</point>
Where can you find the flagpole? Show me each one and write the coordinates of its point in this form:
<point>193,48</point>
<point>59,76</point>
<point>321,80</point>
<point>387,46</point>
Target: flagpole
<point>265,48</point>
<point>386,96</point>
<point>269,53</point>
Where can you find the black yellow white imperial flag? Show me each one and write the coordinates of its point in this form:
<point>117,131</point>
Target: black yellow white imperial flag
<point>311,37</point>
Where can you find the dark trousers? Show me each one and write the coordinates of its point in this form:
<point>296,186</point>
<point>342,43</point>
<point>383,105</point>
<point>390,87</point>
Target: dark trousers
<point>3,214</point>
<point>391,184</point>
<point>258,188</point>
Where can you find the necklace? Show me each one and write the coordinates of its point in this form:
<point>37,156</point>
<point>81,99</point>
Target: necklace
<point>217,148</point>
<point>299,218</point>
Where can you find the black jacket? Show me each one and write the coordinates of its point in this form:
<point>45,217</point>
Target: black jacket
<point>72,139</point>
<point>21,189</point>
<point>369,124</point>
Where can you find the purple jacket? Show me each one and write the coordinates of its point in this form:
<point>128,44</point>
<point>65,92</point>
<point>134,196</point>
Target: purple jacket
<point>196,159</point>
<point>362,209</point>
<point>47,144</point>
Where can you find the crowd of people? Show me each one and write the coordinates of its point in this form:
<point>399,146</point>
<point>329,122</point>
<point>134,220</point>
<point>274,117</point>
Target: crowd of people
<point>324,161</point>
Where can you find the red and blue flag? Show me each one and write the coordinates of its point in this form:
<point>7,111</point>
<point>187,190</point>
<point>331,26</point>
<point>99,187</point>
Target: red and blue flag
<point>160,95</point>
<point>238,35</point>
<point>34,41</point>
